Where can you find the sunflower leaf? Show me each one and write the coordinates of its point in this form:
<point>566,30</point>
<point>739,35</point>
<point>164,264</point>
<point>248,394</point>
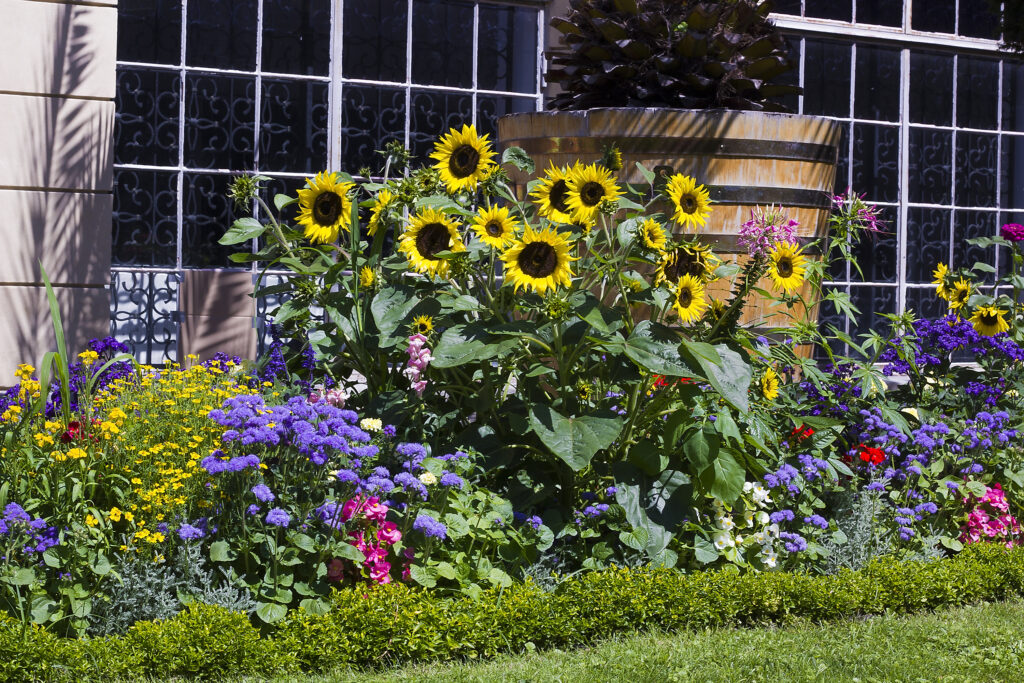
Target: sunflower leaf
<point>446,204</point>
<point>518,157</point>
<point>655,348</point>
<point>575,440</point>
<point>461,344</point>
<point>242,230</point>
<point>730,378</point>
<point>283,200</point>
<point>390,307</point>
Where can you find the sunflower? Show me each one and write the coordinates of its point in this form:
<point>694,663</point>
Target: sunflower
<point>690,302</point>
<point>959,294</point>
<point>770,384</point>
<point>691,201</point>
<point>588,187</point>
<point>689,259</point>
<point>552,193</point>
<point>989,320</point>
<point>717,309</point>
<point>463,158</point>
<point>652,235</point>
<point>422,324</point>
<point>786,266</point>
<point>940,274</point>
<point>494,226</point>
<point>381,203</point>
<point>539,261</point>
<point>324,207</point>
<point>367,277</point>
<point>429,233</point>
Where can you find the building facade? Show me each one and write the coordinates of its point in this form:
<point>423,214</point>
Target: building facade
<point>931,110</point>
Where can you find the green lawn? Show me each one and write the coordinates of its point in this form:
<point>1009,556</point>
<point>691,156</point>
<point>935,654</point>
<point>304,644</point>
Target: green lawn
<point>981,643</point>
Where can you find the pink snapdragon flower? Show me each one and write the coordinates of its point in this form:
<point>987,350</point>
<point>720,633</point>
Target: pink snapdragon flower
<point>984,521</point>
<point>419,359</point>
<point>335,397</point>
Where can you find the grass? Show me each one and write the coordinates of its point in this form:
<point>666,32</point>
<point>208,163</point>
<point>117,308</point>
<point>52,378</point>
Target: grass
<point>978,643</point>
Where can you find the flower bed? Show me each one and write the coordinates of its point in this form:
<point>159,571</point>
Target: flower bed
<point>502,392</point>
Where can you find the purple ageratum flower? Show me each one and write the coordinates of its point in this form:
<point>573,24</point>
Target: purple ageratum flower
<point>782,516</point>
<point>389,431</point>
<point>263,493</point>
<point>794,542</point>
<point>875,486</point>
<point>1012,232</point>
<point>430,527</point>
<point>452,480</point>
<point>611,491</point>
<point>187,532</point>
<point>535,522</point>
<point>253,510</point>
<point>278,517</point>
<point>213,464</point>
<point>816,520</point>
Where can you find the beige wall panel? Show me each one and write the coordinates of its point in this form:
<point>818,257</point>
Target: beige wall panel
<point>205,335</point>
<point>55,142</point>
<point>68,231</point>
<point>27,332</point>
<point>61,49</point>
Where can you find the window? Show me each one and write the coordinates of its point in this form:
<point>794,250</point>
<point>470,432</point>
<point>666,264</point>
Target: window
<point>932,132</point>
<point>287,88</point>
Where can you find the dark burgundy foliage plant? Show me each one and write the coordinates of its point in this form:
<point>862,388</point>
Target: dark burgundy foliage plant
<point>670,53</point>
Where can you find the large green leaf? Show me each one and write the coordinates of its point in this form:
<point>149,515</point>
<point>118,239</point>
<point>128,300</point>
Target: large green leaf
<point>461,344</point>
<point>724,477</point>
<point>573,439</point>
<point>655,348</point>
<point>730,375</point>
<point>390,307</point>
<point>655,505</point>
<point>243,230</point>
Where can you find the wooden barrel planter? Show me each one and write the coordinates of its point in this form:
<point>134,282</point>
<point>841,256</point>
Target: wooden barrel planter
<point>745,159</point>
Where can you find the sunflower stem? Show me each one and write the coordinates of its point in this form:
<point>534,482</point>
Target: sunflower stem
<point>278,233</point>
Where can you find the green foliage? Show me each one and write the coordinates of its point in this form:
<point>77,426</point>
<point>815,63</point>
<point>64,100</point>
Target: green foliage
<point>386,625</point>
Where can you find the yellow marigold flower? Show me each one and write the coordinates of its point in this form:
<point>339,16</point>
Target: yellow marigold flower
<point>115,514</point>
<point>77,454</point>
<point>91,521</point>
<point>88,357</point>
<point>24,371</point>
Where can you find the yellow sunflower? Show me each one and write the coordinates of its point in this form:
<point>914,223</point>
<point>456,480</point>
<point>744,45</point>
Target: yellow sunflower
<point>786,266</point>
<point>552,193</point>
<point>989,320</point>
<point>941,273</point>
<point>691,201</point>
<point>429,233</point>
<point>367,277</point>
<point>959,294</point>
<point>690,302</point>
<point>653,235</point>
<point>494,226</point>
<point>770,384</point>
<point>325,207</point>
<point>539,261</point>
<point>463,158</point>
<point>381,203</point>
<point>422,324</point>
<point>589,186</point>
<point>689,259</point>
<point>717,309</point>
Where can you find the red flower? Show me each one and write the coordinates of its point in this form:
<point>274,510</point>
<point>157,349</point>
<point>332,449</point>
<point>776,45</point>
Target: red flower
<point>875,456</point>
<point>801,433</point>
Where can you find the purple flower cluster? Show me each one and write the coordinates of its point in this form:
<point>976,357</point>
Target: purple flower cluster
<point>832,397</point>
<point>430,527</point>
<point>933,341</point>
<point>37,535</point>
<point>786,475</point>
<point>794,542</point>
<point>316,430</point>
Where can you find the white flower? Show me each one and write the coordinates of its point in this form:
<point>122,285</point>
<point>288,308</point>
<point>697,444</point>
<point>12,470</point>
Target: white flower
<point>760,538</point>
<point>725,522</point>
<point>762,517</point>
<point>748,517</point>
<point>739,539</point>
<point>428,479</point>
<point>773,530</point>
<point>371,424</point>
<point>747,487</point>
<point>760,494</point>
<point>770,560</point>
<point>723,540</point>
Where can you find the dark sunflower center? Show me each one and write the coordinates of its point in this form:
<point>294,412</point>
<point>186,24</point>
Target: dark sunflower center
<point>464,161</point>
<point>432,239</point>
<point>784,267</point>
<point>592,193</point>
<point>327,208</point>
<point>961,295</point>
<point>685,297</point>
<point>538,259</point>
<point>684,263</point>
<point>557,196</point>
<point>988,319</point>
<point>493,229</point>
<point>688,203</point>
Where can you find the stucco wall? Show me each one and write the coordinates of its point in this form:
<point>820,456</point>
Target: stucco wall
<point>57,80</point>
